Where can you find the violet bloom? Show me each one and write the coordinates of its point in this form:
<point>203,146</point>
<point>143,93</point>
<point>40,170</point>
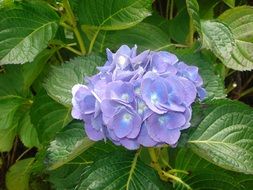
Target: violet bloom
<point>138,99</point>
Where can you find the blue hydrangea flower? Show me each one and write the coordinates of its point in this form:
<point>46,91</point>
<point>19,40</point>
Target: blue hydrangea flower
<point>138,99</point>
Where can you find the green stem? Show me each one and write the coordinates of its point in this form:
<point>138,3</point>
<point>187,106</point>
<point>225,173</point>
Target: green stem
<point>155,164</point>
<point>59,56</point>
<point>167,9</point>
<point>191,33</point>
<point>93,41</point>
<point>246,92</point>
<point>177,179</point>
<point>165,175</point>
<point>27,150</point>
<point>171,9</point>
<point>72,21</point>
<point>178,171</point>
<point>79,40</point>
<point>73,50</point>
<point>14,150</point>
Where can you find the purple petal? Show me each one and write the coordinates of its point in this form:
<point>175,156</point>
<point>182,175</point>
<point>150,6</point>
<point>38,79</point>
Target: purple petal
<point>109,109</point>
<point>92,133</point>
<point>190,91</point>
<point>144,138</point>
<point>122,91</point>
<point>83,101</point>
<point>140,60</point>
<point>124,122</point>
<point>201,93</point>
<point>188,115</point>
<point>130,144</point>
<point>124,49</point>
<point>154,93</point>
<point>165,128</point>
<point>164,57</point>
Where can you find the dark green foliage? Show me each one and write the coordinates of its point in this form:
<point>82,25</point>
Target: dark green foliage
<point>47,46</point>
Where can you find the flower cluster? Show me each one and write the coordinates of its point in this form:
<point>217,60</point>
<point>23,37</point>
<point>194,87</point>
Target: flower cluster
<point>138,99</point>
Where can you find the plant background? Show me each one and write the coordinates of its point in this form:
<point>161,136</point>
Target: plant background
<point>48,46</point>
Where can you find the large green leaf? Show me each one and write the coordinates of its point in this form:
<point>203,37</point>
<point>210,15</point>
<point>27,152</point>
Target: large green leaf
<point>31,71</point>
<point>62,78</point>
<point>17,178</point>
<point>68,144</point>
<point>112,14</point>
<point>25,31</point>
<point>11,92</point>
<point>139,35</point>
<point>193,10</point>
<point>120,170</point>
<point>225,136</point>
<point>69,174</point>
<point>179,26</point>
<point>27,132</point>
<point>204,175</point>
<point>230,3</point>
<point>212,82</point>
<point>48,117</point>
<point>235,54</point>
<point>240,21</point>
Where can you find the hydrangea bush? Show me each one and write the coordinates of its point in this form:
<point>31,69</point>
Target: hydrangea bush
<point>138,99</point>
<point>82,109</point>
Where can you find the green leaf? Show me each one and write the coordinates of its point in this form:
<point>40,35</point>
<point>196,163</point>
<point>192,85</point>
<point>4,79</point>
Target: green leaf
<point>212,82</point>
<point>193,10</point>
<point>61,79</point>
<point>206,8</point>
<point>69,174</point>
<point>68,144</point>
<point>179,26</point>
<point>31,71</point>
<point>17,178</point>
<point>139,34</point>
<point>230,3</point>
<point>112,14</point>
<point>48,117</point>
<point>27,132</point>
<point>120,170</point>
<point>25,31</point>
<point>233,53</point>
<point>11,91</point>
<point>240,21</point>
<point>225,136</point>
<point>205,175</point>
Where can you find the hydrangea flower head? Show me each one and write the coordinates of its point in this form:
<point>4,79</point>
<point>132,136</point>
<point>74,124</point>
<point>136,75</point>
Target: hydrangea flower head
<point>138,99</point>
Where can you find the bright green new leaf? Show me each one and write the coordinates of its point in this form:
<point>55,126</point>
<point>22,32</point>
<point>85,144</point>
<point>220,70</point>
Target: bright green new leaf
<point>230,3</point>
<point>240,21</point>
<point>235,54</point>
<point>225,136</point>
<point>68,144</point>
<point>18,176</point>
<point>25,30</point>
<point>62,78</point>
